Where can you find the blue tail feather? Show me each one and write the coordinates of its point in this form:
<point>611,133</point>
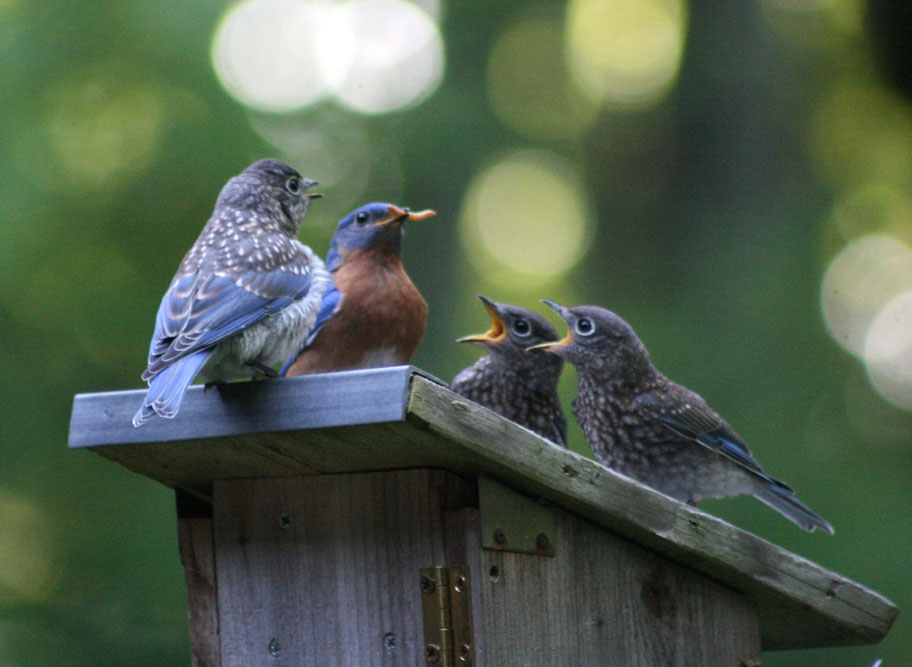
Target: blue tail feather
<point>780,498</point>
<point>167,388</point>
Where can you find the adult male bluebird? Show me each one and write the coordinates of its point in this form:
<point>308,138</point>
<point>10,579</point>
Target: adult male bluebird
<point>514,383</point>
<point>244,296</point>
<point>645,426</point>
<point>372,315</point>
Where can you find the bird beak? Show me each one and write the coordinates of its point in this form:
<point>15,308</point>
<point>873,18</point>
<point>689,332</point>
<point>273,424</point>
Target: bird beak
<point>399,215</point>
<point>311,195</point>
<point>561,310</point>
<point>549,347</point>
<point>496,333</point>
<point>566,340</point>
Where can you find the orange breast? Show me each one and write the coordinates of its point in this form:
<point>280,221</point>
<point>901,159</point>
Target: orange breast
<point>380,323</point>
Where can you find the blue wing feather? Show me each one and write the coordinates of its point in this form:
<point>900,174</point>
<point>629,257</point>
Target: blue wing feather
<point>199,311</point>
<point>329,306</point>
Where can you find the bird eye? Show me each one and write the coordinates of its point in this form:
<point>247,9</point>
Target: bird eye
<point>361,218</point>
<point>584,326</point>
<point>293,185</point>
<point>521,327</point>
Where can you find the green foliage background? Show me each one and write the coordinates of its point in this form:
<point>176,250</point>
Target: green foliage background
<point>714,231</point>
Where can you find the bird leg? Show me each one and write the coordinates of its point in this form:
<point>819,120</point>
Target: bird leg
<point>267,371</point>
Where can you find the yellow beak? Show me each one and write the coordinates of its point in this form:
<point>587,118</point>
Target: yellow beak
<point>566,340</point>
<point>495,334</point>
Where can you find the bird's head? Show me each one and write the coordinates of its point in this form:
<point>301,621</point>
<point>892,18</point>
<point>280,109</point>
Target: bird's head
<point>598,341</point>
<point>371,226</point>
<point>272,187</point>
<point>513,330</point>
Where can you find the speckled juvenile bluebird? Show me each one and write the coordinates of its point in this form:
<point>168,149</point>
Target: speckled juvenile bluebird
<point>645,426</point>
<point>244,296</point>
<point>372,315</point>
<point>514,383</point>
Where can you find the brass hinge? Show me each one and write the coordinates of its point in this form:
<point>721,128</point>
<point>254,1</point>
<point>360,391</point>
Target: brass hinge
<point>447,613</point>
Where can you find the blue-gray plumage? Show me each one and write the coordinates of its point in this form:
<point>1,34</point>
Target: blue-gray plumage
<point>514,383</point>
<point>244,296</point>
<point>645,426</point>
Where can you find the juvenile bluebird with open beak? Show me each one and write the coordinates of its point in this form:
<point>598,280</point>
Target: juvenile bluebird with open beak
<point>514,383</point>
<point>245,294</point>
<point>373,315</point>
<point>647,427</point>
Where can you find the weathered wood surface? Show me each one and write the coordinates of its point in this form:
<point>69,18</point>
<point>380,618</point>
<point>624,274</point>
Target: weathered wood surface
<point>801,604</point>
<point>245,408</point>
<point>604,600</point>
<point>197,552</point>
<point>325,570</point>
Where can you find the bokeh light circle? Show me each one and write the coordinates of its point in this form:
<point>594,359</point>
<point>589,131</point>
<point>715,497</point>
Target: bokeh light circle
<point>888,351</point>
<point>625,53</point>
<point>99,127</point>
<point>528,85</point>
<point>527,215</point>
<point>860,133</point>
<point>872,208</point>
<point>28,568</point>
<point>859,282</point>
<point>383,55</point>
<point>266,53</point>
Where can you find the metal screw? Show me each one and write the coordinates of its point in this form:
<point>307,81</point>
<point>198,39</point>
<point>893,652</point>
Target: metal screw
<point>494,573</point>
<point>542,541</point>
<point>284,521</point>
<point>465,652</point>
<point>432,652</point>
<point>499,536</point>
<point>460,584</point>
<point>427,585</point>
<point>389,641</point>
<point>274,649</point>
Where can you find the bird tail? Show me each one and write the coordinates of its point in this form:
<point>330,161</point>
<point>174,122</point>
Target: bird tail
<point>166,389</point>
<point>780,498</point>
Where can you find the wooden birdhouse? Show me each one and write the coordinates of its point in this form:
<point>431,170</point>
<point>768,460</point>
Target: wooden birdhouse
<point>376,518</point>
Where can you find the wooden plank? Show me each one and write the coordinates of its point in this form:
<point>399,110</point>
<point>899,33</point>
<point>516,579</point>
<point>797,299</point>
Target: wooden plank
<point>801,604</point>
<point>604,600</point>
<point>241,408</point>
<point>324,569</point>
<point>197,553</point>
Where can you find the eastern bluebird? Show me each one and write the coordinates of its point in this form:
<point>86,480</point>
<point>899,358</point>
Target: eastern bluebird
<point>372,315</point>
<point>514,383</point>
<point>244,296</point>
<point>645,426</point>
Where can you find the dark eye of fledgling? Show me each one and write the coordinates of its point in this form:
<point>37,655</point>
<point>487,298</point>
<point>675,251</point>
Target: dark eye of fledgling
<point>361,218</point>
<point>584,326</point>
<point>521,327</point>
<point>293,185</point>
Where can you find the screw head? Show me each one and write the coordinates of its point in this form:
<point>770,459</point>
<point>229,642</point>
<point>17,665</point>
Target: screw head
<point>432,653</point>
<point>427,585</point>
<point>499,536</point>
<point>284,521</point>
<point>389,641</point>
<point>542,541</point>
<point>275,650</point>
<point>465,652</point>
